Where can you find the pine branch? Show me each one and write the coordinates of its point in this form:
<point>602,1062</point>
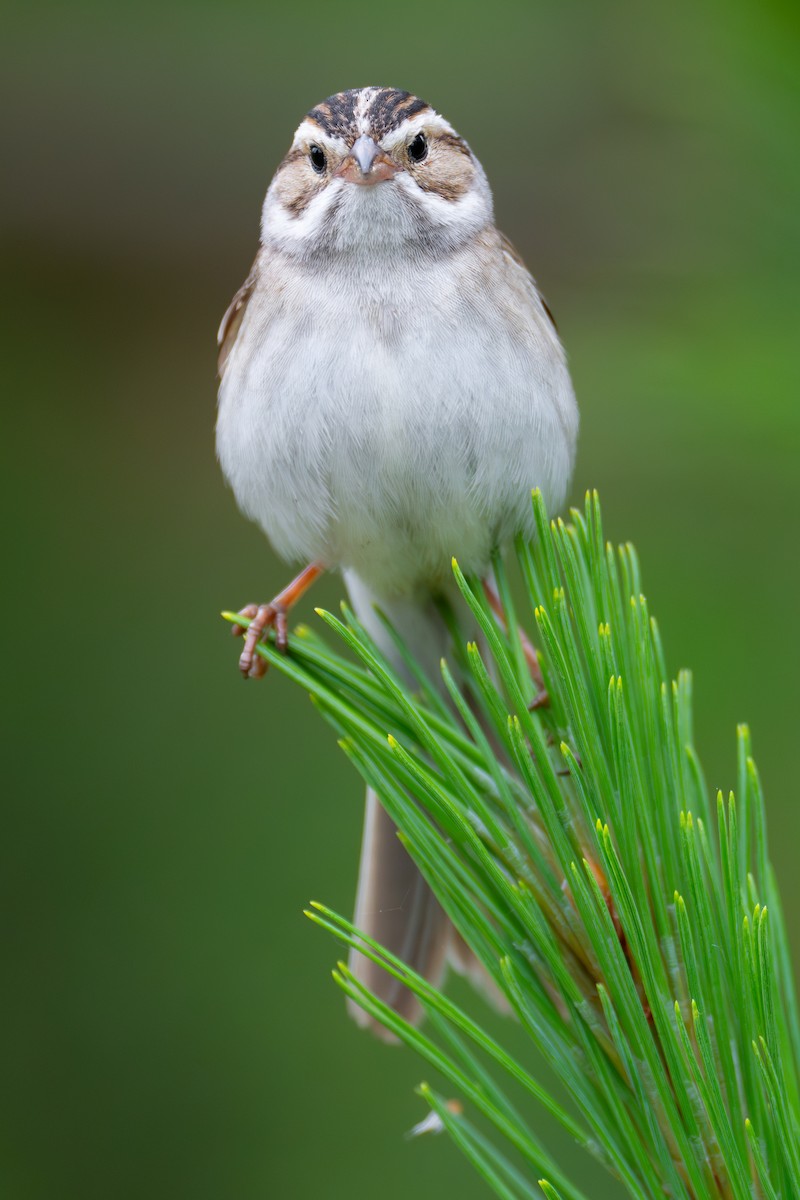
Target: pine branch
<point>577,851</point>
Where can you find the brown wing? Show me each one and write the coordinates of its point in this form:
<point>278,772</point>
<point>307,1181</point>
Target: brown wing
<point>229,326</point>
<point>510,251</point>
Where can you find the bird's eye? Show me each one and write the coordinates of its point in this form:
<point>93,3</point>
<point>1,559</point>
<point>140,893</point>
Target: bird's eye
<point>317,156</point>
<point>418,149</point>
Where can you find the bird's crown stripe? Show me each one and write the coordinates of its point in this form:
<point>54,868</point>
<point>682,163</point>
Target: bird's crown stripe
<point>378,109</point>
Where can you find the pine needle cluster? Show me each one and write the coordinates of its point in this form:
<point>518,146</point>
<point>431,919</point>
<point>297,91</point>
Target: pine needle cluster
<point>631,920</point>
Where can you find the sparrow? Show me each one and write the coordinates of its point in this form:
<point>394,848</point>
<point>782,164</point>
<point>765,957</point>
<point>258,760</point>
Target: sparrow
<point>392,387</point>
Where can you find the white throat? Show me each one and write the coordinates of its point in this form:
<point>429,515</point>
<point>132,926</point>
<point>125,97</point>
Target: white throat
<point>388,216</point>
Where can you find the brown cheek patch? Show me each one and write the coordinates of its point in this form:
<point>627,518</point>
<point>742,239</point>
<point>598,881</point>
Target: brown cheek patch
<point>447,170</point>
<point>295,184</point>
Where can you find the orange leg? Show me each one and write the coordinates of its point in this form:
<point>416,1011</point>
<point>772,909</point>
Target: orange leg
<point>529,650</point>
<point>264,616</point>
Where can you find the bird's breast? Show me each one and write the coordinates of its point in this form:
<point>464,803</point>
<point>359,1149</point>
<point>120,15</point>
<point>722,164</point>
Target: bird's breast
<point>385,427</point>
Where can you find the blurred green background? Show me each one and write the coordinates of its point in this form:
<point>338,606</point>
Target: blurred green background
<point>171,1025</point>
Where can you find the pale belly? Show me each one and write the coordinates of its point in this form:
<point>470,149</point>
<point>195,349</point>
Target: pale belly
<point>392,450</point>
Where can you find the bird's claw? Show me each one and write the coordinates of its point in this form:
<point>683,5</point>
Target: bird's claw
<point>540,700</point>
<point>261,617</point>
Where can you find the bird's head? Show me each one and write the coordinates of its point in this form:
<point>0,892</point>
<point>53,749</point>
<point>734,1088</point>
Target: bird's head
<point>375,167</point>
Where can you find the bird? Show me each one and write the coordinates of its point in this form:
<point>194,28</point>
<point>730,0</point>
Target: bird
<point>392,388</point>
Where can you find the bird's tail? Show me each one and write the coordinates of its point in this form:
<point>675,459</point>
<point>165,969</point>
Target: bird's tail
<point>394,904</point>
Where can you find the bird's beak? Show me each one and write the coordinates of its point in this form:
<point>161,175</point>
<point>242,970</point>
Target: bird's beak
<point>367,163</point>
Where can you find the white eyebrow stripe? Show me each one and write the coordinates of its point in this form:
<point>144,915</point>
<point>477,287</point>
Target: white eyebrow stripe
<point>428,121</point>
<point>310,131</point>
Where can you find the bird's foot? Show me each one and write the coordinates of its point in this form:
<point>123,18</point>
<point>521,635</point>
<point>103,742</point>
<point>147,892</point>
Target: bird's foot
<point>541,699</point>
<point>262,617</point>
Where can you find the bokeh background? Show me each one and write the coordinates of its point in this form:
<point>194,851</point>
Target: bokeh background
<point>171,1025</point>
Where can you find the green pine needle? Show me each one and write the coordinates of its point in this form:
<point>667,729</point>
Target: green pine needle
<point>577,850</point>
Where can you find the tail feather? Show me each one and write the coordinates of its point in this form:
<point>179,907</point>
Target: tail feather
<point>394,904</point>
